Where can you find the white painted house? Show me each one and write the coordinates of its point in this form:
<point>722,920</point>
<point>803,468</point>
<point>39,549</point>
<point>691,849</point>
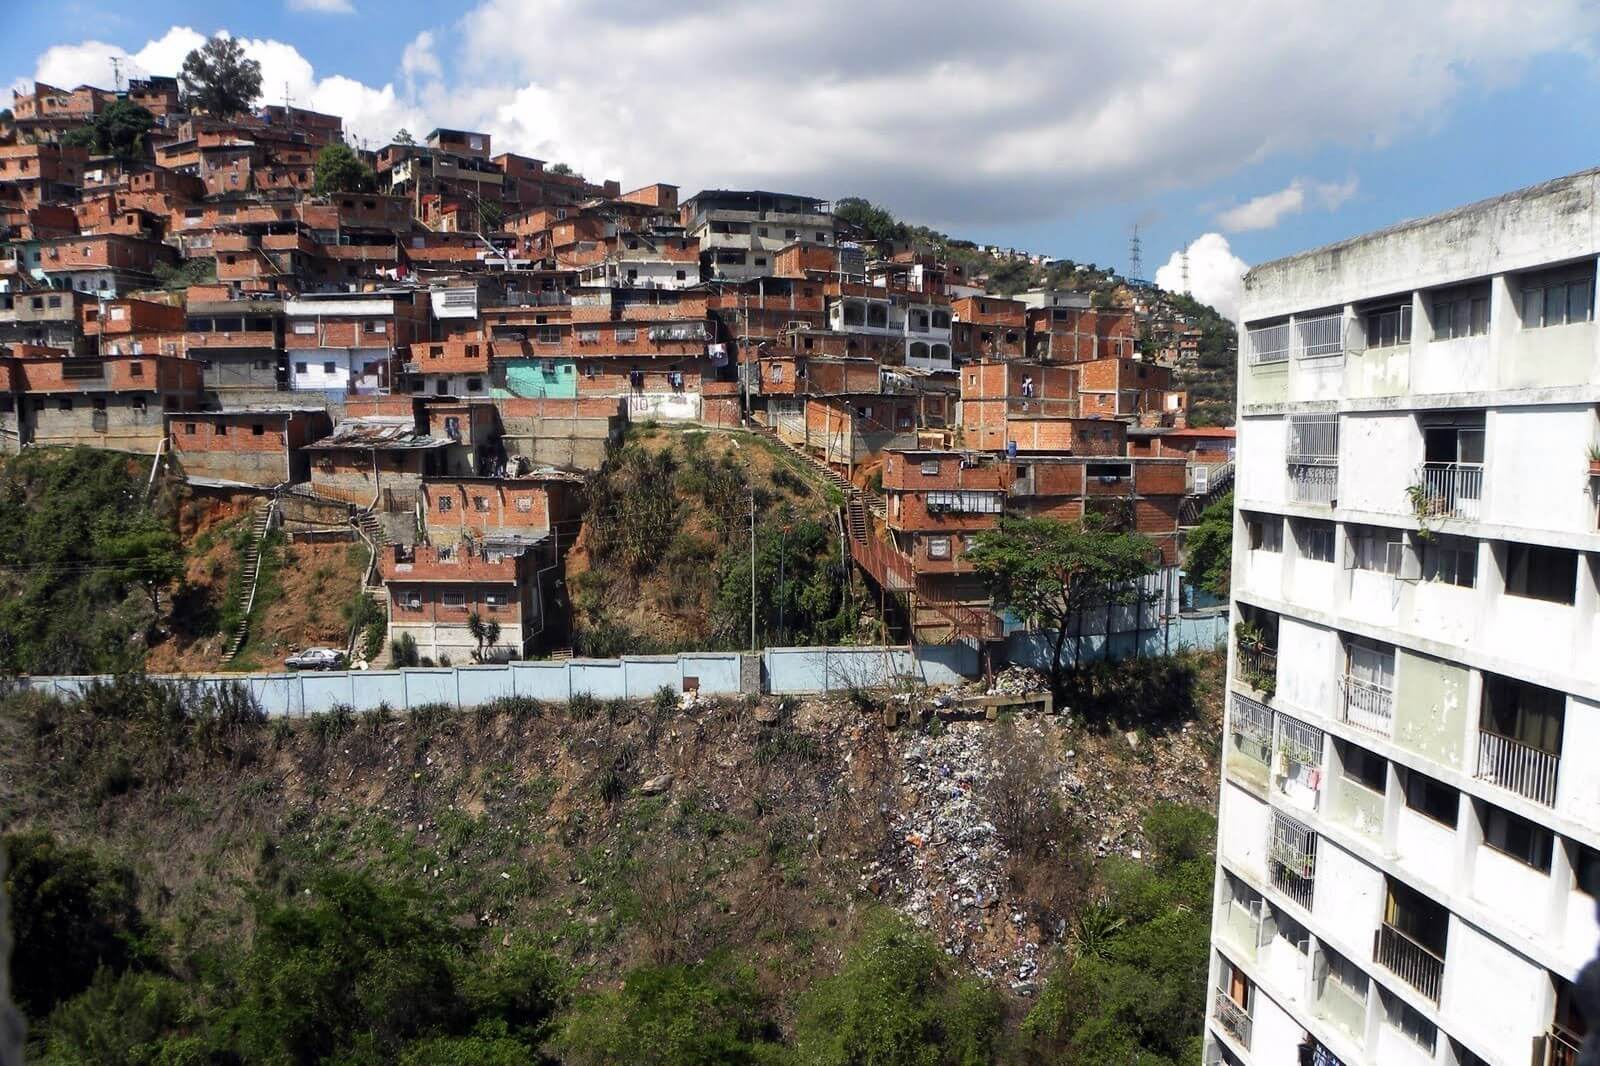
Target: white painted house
<point>1409,838</point>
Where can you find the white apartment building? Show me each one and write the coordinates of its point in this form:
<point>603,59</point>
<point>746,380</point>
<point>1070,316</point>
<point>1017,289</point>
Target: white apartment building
<point>1409,835</point>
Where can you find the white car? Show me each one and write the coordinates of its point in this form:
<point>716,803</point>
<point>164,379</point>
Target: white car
<point>315,659</point>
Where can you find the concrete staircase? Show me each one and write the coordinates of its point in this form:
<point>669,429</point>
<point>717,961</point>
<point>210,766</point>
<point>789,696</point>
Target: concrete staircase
<point>260,525</point>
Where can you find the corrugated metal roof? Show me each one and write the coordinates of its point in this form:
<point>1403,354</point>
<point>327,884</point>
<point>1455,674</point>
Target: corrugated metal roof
<point>388,434</point>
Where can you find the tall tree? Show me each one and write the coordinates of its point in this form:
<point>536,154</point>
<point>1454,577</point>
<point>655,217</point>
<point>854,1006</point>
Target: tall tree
<point>1210,548</point>
<point>404,137</point>
<point>120,129</point>
<point>1054,573</point>
<point>220,79</point>
<point>339,169</point>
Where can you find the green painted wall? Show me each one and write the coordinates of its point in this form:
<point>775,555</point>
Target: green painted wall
<point>1268,383</point>
<point>1431,712</point>
<point>529,378</point>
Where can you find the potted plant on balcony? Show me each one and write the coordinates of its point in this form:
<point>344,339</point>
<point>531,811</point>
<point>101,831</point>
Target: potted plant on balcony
<point>1425,506</point>
<point>1252,643</point>
<point>1594,460</point>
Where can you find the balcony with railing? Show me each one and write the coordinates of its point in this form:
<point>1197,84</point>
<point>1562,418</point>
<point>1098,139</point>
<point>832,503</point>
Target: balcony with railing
<point>1518,767</point>
<point>1258,667</point>
<point>1341,1005</point>
<point>1368,706</point>
<point>1561,1048</point>
<point>1449,490</point>
<point>1234,1019</point>
<point>1408,959</point>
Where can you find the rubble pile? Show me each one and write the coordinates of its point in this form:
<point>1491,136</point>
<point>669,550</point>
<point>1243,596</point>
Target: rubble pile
<point>1014,681</point>
<point>945,866</point>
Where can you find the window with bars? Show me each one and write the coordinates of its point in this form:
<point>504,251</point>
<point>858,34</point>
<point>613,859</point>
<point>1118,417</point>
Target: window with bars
<point>1265,532</point>
<point>1293,846</point>
<point>1313,438</point>
<point>1268,344</point>
<point>1298,742</point>
<point>966,502</point>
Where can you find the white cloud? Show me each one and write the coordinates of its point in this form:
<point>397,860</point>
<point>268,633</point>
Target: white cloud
<point>954,126</point>
<point>419,59</point>
<point>1042,110</point>
<point>323,7</point>
<point>1267,210</point>
<point>1216,275</point>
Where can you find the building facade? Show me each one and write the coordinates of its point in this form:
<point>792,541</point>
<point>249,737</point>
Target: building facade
<point>1409,835</point>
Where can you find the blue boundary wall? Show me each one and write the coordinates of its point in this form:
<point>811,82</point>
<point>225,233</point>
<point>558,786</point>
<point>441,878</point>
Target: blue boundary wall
<point>786,671</point>
<point>1199,631</point>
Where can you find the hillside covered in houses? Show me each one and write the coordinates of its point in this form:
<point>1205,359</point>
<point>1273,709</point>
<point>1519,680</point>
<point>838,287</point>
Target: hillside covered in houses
<point>434,351</point>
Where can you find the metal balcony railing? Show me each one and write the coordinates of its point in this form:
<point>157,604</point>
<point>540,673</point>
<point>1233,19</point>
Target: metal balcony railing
<point>1561,1048</point>
<point>1409,960</point>
<point>1518,767</point>
<point>1368,706</point>
<point>1451,490</point>
<point>1234,1019</point>
<point>1316,483</point>
<point>1258,668</point>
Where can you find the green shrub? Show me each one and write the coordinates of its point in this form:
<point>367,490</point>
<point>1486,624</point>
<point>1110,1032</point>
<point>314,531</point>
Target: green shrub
<point>897,1000</point>
<point>672,1016</point>
<point>71,915</point>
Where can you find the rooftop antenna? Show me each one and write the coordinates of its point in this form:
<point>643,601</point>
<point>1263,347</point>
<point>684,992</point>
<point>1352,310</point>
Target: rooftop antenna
<point>288,112</point>
<point>116,73</point>
<point>1185,262</point>
<point>1135,256</point>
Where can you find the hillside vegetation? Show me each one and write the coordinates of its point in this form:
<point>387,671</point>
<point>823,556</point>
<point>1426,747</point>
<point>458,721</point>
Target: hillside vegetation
<point>606,882</point>
<point>664,560</point>
<point>102,571</point>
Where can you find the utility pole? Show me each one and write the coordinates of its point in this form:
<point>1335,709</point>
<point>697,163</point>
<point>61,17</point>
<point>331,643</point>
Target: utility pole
<point>752,571</point>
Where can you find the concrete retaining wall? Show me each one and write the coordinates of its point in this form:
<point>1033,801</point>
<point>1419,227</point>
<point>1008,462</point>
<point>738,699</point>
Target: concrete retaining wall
<point>788,671</point>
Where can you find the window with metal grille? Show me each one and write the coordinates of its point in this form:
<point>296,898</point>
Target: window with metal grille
<point>1293,845</point>
<point>1298,742</point>
<point>1251,726</point>
<point>1313,438</point>
<point>966,502</point>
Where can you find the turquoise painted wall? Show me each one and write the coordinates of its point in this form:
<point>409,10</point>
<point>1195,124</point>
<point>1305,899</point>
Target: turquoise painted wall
<point>535,378</point>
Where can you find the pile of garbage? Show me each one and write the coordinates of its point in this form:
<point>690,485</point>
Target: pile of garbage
<point>1016,681</point>
<point>946,867</point>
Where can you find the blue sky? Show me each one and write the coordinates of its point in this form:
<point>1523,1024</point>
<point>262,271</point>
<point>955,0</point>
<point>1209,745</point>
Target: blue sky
<point>1053,127</point>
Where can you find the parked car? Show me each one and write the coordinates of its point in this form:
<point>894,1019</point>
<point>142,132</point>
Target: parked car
<point>315,659</point>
